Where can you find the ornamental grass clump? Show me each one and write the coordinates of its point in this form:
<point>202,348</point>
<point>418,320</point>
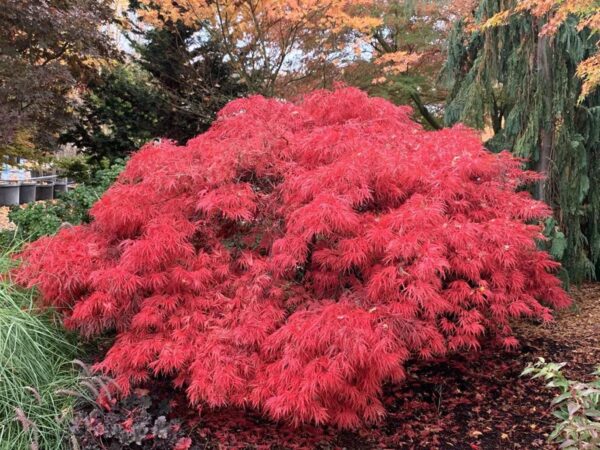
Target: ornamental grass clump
<point>296,255</point>
<point>35,365</point>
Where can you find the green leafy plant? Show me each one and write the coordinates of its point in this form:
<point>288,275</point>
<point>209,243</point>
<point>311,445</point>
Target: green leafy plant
<point>77,168</point>
<point>577,406</point>
<point>36,220</point>
<point>556,244</point>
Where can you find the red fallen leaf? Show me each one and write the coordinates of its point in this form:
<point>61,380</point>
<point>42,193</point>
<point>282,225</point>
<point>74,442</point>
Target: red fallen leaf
<point>183,444</point>
<point>105,402</point>
<point>474,446</point>
<point>203,432</point>
<point>127,424</point>
<point>192,422</point>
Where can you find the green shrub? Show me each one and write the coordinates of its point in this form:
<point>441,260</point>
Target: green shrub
<point>577,406</point>
<point>77,168</point>
<point>36,220</point>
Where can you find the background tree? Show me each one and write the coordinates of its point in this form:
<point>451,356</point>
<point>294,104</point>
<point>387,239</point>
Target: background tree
<point>172,87</point>
<point>118,113</point>
<point>587,12</point>
<point>401,57</point>
<point>262,38</point>
<point>192,74</point>
<point>47,48</point>
<point>515,71</point>
<point>393,48</point>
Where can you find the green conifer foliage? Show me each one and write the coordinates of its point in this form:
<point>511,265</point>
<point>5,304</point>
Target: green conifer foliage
<point>524,87</point>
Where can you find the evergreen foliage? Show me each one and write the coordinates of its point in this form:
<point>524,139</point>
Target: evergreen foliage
<point>295,256</point>
<point>119,112</point>
<point>172,89</point>
<point>523,86</point>
<point>192,75</point>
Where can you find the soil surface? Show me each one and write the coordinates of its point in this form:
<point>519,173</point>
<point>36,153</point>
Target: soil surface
<point>465,402</point>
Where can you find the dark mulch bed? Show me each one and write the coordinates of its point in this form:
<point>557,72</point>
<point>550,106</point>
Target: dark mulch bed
<point>466,402</point>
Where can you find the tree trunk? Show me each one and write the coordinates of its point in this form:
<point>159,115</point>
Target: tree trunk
<point>544,68</point>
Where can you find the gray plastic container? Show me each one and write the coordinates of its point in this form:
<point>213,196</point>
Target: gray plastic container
<point>27,193</point>
<point>9,194</point>
<point>60,187</point>
<point>44,191</point>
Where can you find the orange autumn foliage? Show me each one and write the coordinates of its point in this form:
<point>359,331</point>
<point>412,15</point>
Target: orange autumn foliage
<point>266,37</point>
<point>273,43</point>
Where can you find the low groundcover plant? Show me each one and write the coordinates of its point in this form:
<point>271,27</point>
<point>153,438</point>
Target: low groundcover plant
<point>577,406</point>
<point>296,255</point>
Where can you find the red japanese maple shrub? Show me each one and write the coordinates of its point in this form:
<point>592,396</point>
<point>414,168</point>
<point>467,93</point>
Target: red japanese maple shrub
<point>295,256</point>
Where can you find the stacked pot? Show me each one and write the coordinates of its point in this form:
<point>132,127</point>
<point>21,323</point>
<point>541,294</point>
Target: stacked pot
<point>9,193</point>
<point>14,193</point>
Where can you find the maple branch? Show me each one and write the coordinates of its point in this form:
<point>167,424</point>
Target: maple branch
<point>228,47</point>
<point>384,45</point>
<point>260,38</point>
<point>56,55</point>
<point>425,112</point>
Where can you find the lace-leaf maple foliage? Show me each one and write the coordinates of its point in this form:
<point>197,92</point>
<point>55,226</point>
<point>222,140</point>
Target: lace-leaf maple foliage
<point>295,256</point>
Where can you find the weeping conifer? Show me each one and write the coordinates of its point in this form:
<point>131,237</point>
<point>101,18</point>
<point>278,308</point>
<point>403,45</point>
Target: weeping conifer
<point>523,86</point>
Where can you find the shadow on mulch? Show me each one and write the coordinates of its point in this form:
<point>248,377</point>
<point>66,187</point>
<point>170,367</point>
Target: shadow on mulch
<point>467,402</point>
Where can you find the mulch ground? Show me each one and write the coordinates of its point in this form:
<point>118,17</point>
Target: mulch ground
<point>465,402</point>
